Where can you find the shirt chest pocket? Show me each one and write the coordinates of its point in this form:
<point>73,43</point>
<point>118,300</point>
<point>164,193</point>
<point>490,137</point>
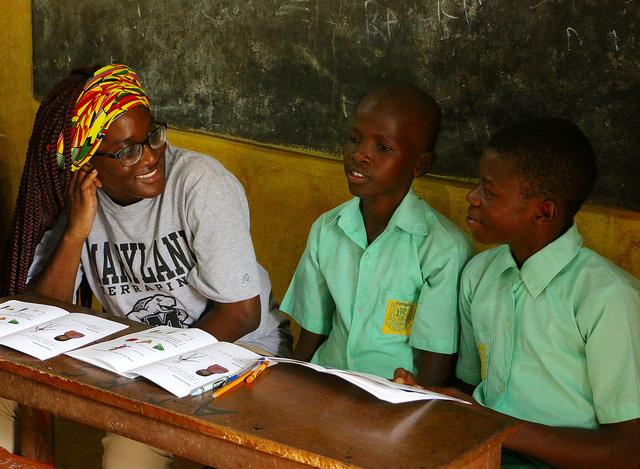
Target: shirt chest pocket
<point>397,308</point>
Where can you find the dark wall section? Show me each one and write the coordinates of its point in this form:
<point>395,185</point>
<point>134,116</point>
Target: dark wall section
<point>291,71</point>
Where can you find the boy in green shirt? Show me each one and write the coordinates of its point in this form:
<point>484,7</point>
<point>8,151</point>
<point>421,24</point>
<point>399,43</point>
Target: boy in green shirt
<point>550,330</point>
<point>377,284</point>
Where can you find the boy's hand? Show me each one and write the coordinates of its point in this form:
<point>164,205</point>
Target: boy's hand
<point>308,343</point>
<point>455,392</point>
<point>402,376</point>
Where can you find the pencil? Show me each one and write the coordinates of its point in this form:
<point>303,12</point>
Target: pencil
<point>255,373</point>
<point>232,384</point>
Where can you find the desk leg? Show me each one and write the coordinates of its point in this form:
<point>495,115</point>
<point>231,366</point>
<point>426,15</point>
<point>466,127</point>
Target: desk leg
<point>36,434</point>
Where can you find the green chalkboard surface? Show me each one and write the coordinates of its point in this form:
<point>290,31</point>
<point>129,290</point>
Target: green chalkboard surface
<point>291,71</point>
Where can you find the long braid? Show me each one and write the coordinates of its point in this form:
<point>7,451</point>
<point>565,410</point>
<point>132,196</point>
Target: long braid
<point>43,184</point>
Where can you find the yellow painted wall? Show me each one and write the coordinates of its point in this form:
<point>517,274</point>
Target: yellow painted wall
<point>287,189</point>
<point>17,105</point>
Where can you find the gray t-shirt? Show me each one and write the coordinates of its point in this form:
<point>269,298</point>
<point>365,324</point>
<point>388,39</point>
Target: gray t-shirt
<point>159,261</point>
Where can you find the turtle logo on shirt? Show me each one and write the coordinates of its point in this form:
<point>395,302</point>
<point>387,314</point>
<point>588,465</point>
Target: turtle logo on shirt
<point>158,310</point>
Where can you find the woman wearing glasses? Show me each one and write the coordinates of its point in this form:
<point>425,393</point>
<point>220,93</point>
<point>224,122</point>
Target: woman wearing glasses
<point>160,234</point>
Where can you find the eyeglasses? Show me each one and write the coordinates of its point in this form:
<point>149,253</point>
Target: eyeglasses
<point>130,155</point>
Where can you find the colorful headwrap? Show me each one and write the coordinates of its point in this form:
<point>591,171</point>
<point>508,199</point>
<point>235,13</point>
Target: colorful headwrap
<point>108,94</point>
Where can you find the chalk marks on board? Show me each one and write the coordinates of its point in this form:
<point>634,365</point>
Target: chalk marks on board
<point>290,71</point>
<point>539,4</point>
<point>379,23</point>
<point>613,38</point>
<point>573,34</point>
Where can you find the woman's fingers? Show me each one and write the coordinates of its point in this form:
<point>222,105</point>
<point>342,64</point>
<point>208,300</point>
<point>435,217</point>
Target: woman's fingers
<point>82,201</point>
<point>88,182</point>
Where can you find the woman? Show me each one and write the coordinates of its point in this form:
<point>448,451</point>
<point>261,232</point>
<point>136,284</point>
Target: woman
<point>160,234</point>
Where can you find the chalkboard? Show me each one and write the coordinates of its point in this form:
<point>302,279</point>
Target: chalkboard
<point>291,71</point>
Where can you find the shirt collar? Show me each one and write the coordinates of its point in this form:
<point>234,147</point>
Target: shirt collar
<point>410,216</point>
<point>349,219</point>
<point>538,271</point>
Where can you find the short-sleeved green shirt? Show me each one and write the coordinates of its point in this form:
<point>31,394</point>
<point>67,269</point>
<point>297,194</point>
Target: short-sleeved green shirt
<point>378,303</point>
<point>556,342</point>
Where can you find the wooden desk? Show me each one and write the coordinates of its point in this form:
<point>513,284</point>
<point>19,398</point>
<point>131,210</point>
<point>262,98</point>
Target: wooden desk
<point>291,417</point>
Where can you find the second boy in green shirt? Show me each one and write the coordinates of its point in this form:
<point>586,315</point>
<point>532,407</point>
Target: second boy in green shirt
<point>377,284</point>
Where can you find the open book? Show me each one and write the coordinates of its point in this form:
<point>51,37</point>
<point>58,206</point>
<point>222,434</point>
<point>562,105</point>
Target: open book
<point>44,331</point>
<point>379,387</point>
<point>179,360</point>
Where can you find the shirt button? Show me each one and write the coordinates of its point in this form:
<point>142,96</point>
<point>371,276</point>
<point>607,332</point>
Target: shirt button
<point>360,309</point>
<point>501,388</point>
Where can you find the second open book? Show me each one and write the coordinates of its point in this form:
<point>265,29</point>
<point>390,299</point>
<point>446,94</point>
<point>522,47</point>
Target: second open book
<point>179,360</point>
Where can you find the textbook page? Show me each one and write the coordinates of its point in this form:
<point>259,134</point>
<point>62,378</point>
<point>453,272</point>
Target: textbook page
<point>381,388</point>
<point>19,315</point>
<point>123,354</point>
<point>189,371</point>
<point>51,338</point>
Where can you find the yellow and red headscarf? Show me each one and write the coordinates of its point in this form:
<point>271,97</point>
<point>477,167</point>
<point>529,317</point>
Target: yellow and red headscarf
<point>108,94</point>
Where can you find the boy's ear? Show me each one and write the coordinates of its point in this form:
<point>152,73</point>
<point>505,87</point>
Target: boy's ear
<point>547,211</point>
<point>424,164</point>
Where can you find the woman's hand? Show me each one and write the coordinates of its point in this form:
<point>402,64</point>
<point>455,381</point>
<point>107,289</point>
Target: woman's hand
<point>82,201</point>
<point>57,279</point>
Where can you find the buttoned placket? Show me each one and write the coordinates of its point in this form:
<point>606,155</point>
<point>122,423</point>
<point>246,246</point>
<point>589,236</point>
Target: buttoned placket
<point>511,325</point>
<point>508,332</point>
<point>362,301</point>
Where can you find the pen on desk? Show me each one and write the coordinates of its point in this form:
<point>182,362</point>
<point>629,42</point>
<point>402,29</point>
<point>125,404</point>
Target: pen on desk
<point>233,383</point>
<point>208,387</point>
<point>255,373</point>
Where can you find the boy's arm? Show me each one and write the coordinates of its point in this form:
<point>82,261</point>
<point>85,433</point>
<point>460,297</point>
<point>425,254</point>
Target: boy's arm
<point>612,445</point>
<point>454,386</point>
<point>308,299</point>
<point>435,369</point>
<point>439,294</point>
<point>307,345</point>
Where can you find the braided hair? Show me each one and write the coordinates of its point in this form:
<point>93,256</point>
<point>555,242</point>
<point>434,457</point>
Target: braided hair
<point>43,184</point>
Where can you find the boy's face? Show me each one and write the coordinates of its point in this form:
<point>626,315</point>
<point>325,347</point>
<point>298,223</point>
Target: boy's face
<point>498,211</point>
<point>384,150</point>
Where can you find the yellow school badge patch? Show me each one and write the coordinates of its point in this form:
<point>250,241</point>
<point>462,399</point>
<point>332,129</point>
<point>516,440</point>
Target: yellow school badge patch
<point>399,317</point>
